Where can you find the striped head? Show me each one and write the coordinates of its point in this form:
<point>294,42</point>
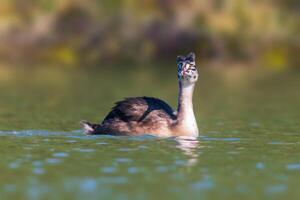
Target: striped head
<point>187,71</point>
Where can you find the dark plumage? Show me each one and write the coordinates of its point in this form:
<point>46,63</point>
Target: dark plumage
<point>138,108</point>
<point>146,112</point>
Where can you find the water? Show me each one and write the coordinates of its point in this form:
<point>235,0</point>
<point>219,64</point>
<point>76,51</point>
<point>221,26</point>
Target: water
<point>249,147</point>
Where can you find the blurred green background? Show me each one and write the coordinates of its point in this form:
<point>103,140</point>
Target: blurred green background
<point>84,33</point>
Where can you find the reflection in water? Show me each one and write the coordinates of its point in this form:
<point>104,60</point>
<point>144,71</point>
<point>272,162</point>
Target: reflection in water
<point>189,146</point>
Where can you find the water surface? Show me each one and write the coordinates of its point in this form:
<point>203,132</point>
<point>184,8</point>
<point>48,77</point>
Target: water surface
<point>249,145</point>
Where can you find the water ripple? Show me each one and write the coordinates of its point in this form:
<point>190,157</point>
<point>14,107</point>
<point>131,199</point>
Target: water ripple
<point>274,189</point>
<point>222,139</point>
<point>53,160</point>
<point>260,165</point>
<point>123,160</point>
<point>38,171</point>
<point>60,154</point>
<point>133,170</point>
<point>108,170</point>
<point>293,166</point>
<point>88,185</point>
<point>84,150</point>
<point>204,184</point>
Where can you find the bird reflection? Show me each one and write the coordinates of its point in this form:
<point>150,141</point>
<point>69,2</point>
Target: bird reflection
<point>189,146</point>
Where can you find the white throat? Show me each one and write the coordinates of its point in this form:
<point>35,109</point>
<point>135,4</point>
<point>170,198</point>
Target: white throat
<point>186,118</point>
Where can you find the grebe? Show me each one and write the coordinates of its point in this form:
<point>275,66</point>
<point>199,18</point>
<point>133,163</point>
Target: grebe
<point>147,115</point>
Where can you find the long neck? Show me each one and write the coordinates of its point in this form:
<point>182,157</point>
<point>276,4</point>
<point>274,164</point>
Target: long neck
<point>186,118</point>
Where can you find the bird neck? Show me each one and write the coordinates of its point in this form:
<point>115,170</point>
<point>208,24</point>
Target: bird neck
<point>187,124</point>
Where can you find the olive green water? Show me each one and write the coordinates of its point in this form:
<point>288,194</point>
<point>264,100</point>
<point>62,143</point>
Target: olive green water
<point>249,147</point>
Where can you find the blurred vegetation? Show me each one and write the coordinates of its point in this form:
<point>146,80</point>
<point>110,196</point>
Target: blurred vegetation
<point>90,32</point>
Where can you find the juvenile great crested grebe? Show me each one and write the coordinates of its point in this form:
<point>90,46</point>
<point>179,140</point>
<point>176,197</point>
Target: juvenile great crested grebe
<point>147,115</point>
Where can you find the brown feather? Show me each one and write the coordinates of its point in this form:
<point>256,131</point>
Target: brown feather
<point>137,116</point>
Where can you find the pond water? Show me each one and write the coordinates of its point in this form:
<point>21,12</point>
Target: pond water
<point>249,144</point>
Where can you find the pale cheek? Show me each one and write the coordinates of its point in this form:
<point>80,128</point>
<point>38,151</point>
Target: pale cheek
<point>186,67</point>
